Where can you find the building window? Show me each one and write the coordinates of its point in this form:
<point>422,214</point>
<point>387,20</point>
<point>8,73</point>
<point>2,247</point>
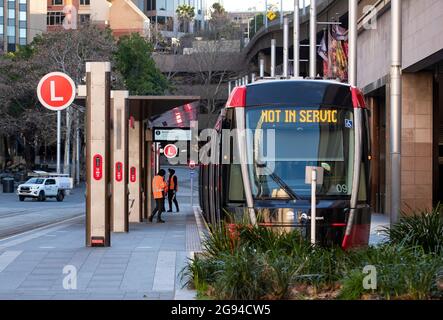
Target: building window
<point>57,2</point>
<point>55,18</point>
<point>85,2</point>
<point>84,18</point>
<point>152,5</point>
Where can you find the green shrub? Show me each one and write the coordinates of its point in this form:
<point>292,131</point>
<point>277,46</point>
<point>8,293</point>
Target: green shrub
<point>245,262</point>
<point>423,229</point>
<point>323,267</point>
<point>401,271</point>
<point>199,273</point>
<point>352,286</point>
<point>281,270</point>
<point>241,276</point>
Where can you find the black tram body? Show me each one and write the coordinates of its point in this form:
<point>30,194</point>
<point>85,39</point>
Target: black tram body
<point>308,123</point>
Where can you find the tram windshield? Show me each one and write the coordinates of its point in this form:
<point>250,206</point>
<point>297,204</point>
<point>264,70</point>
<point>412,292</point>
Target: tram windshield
<point>283,141</point>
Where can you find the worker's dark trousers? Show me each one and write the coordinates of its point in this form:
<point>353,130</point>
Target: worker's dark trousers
<point>159,207</point>
<point>172,197</point>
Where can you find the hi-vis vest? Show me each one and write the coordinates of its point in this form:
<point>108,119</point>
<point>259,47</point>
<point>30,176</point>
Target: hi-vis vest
<point>158,187</point>
<point>171,183</point>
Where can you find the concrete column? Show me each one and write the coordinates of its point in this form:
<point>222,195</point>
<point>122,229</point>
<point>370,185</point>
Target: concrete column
<point>135,163</point>
<point>149,171</point>
<point>119,161</point>
<point>98,191</point>
<point>313,40</point>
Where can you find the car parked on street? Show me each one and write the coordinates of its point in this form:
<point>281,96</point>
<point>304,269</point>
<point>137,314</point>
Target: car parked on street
<point>45,185</point>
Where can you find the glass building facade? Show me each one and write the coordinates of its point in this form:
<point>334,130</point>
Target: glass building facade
<point>162,14</point>
<point>13,24</point>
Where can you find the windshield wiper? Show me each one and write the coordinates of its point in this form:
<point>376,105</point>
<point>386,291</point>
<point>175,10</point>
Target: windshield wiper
<point>282,184</point>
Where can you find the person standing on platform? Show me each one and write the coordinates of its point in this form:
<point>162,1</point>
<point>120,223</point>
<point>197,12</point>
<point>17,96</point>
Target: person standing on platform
<point>172,190</point>
<point>159,189</point>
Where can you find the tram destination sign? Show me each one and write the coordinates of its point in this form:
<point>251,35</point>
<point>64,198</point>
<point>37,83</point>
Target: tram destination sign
<point>173,134</point>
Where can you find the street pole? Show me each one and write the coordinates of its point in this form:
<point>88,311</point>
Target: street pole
<point>285,47</point>
<point>77,152</point>
<point>59,120</point>
<point>353,7</point>
<point>67,166</point>
<point>313,40</point>
<point>262,68</point>
<point>281,12</point>
<point>396,106</point>
<point>304,7</point>
<point>313,205</point>
<point>296,39</point>
<point>273,45</point>
<point>266,14</point>
<point>192,189</point>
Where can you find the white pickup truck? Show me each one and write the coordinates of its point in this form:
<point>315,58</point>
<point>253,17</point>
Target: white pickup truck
<point>44,187</point>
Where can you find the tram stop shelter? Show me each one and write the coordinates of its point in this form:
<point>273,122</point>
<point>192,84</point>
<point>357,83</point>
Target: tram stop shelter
<point>120,160</point>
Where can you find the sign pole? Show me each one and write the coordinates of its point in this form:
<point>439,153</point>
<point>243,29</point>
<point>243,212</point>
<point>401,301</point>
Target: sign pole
<point>313,205</point>
<point>59,120</point>
<point>56,92</point>
<point>192,189</point>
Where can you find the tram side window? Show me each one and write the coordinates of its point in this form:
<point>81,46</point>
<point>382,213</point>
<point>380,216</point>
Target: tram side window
<point>236,192</point>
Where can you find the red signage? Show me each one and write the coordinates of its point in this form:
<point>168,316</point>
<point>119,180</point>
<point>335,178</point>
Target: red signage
<point>118,171</point>
<point>97,167</point>
<point>133,174</point>
<point>56,91</point>
<point>170,151</point>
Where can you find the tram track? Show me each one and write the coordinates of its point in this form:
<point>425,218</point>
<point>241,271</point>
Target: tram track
<point>21,229</point>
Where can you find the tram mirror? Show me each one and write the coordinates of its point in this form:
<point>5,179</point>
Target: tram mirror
<point>308,174</point>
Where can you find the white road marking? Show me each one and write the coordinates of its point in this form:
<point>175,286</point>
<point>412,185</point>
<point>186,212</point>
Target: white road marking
<point>164,277</point>
<point>7,257</point>
<point>36,233</point>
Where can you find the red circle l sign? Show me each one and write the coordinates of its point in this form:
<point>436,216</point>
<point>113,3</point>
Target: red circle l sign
<point>170,151</point>
<point>56,91</point>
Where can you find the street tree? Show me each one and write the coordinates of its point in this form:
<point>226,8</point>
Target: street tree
<point>134,61</point>
<point>185,14</point>
<point>22,117</point>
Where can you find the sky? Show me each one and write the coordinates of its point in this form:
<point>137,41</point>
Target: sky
<point>259,5</point>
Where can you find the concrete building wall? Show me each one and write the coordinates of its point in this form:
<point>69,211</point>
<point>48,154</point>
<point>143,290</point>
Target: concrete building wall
<point>38,11</point>
<point>99,10</point>
<point>125,17</point>
<point>417,142</point>
<point>422,37</point>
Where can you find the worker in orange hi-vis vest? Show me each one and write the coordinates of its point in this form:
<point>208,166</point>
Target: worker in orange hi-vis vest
<point>159,189</point>
<point>172,190</point>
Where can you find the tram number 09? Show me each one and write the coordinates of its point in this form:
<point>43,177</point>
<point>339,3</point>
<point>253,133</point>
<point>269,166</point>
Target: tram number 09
<point>342,188</point>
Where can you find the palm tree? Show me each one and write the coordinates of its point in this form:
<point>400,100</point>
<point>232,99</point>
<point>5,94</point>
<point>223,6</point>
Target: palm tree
<point>186,14</point>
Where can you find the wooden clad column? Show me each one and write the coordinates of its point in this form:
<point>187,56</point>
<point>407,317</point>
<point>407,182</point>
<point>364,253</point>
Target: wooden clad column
<point>135,161</point>
<point>149,171</point>
<point>119,161</point>
<point>98,154</point>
